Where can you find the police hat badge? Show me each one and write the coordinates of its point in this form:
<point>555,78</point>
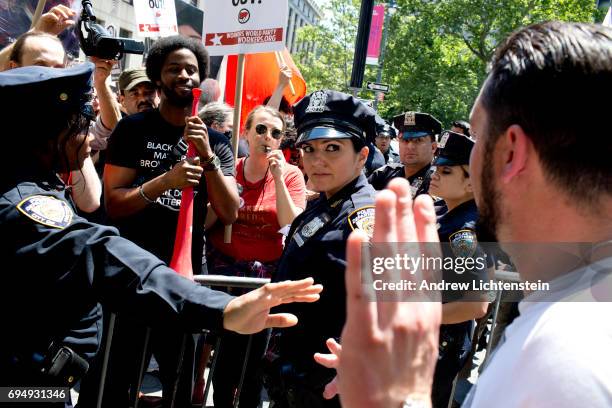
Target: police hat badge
<point>409,119</point>
<point>463,243</point>
<point>317,102</point>
<point>363,219</point>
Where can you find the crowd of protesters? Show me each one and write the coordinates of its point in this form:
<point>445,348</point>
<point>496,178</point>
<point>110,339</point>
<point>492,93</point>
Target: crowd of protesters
<point>305,179</point>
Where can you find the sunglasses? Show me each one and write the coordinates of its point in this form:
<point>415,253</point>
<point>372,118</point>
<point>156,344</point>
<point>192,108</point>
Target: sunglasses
<point>262,129</point>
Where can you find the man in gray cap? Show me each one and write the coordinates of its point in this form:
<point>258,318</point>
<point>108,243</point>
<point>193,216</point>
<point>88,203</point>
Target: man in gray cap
<point>417,144</point>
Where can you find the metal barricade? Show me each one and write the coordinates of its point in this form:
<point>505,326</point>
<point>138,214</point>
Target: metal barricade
<point>204,280</point>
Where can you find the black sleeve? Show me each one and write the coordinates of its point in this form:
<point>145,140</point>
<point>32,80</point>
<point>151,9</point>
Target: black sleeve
<point>377,178</point>
<point>90,261</point>
<point>121,144</point>
<point>223,149</point>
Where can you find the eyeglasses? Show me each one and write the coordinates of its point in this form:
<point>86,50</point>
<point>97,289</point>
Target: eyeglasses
<point>262,129</point>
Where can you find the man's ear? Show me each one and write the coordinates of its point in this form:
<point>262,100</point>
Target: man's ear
<point>434,147</point>
<point>515,148</point>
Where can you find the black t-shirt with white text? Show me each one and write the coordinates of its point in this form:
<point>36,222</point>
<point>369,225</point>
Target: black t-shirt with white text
<point>145,142</point>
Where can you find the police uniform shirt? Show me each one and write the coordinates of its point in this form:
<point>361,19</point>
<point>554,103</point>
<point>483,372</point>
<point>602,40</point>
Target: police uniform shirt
<point>391,156</point>
<point>419,181</point>
<point>145,142</point>
<point>62,265</point>
<point>456,230</point>
<point>316,246</point>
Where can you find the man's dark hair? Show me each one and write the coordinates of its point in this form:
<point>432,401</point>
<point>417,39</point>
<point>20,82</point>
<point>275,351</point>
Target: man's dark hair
<point>165,46</point>
<point>463,125</point>
<point>17,51</point>
<point>552,79</point>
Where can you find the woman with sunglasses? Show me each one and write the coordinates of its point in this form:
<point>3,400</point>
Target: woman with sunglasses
<point>456,229</point>
<point>272,194</point>
<point>332,129</point>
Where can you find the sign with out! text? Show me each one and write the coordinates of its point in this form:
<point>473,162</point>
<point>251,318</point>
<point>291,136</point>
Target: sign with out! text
<point>155,18</point>
<point>244,26</point>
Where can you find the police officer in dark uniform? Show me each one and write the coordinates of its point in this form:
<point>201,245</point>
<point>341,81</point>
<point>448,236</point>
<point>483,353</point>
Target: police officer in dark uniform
<point>62,266</point>
<point>332,130</point>
<point>417,144</point>
<point>383,141</point>
<point>456,230</point>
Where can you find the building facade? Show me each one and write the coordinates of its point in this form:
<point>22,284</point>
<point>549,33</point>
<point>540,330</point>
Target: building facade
<point>301,13</point>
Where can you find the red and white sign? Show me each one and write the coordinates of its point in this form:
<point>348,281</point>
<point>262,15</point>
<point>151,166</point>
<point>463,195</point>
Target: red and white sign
<point>244,26</point>
<point>376,32</point>
<point>155,18</point>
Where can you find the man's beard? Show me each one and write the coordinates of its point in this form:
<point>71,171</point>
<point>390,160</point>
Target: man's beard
<point>488,211</point>
<point>176,99</point>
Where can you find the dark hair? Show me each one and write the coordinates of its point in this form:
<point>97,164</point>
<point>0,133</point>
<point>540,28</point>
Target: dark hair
<point>17,51</point>
<point>463,125</point>
<point>552,80</point>
<point>289,138</point>
<point>165,46</point>
<point>285,107</point>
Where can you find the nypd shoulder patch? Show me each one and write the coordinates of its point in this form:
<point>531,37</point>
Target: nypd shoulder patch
<point>463,243</point>
<point>46,210</point>
<point>363,219</point>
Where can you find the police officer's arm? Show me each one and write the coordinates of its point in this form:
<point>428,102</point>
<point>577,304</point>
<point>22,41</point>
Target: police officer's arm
<point>96,261</point>
<point>220,185</point>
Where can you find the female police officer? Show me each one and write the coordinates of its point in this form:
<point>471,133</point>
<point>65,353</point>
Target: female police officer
<point>332,129</point>
<point>64,265</point>
<point>456,229</point>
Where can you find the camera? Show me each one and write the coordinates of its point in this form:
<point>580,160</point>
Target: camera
<point>95,41</point>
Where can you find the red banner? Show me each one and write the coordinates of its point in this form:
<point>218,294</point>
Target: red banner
<point>260,78</point>
<point>376,31</point>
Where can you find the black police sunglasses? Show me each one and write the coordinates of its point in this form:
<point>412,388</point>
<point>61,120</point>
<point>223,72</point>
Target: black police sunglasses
<point>262,129</point>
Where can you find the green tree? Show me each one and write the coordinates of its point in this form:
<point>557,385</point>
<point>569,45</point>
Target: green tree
<point>437,50</point>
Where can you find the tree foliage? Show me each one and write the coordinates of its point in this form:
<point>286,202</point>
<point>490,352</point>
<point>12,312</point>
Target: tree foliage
<point>437,50</point>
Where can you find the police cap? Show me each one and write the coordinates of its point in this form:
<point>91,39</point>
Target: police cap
<point>60,92</point>
<point>416,124</point>
<point>386,130</point>
<point>454,149</point>
<point>330,114</point>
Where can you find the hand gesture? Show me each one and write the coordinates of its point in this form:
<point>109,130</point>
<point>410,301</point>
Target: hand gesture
<point>284,76</point>
<point>196,133</point>
<point>389,349</point>
<point>103,70</point>
<point>250,313</point>
<point>186,173</point>
<point>276,161</point>
<point>56,20</point>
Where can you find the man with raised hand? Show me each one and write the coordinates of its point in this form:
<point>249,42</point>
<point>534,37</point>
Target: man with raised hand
<point>537,182</point>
